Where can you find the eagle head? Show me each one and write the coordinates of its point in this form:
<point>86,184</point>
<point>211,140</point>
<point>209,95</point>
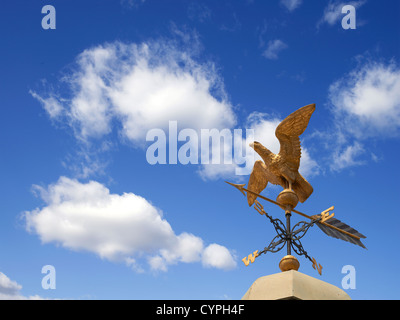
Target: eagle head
<point>260,149</point>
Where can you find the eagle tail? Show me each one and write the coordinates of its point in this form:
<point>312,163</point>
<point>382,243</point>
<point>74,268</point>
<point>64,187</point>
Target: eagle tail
<point>302,188</point>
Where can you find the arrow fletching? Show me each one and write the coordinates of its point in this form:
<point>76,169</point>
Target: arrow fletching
<point>339,230</point>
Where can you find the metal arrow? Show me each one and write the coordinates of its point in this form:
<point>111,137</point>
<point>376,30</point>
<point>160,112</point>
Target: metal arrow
<point>333,224</point>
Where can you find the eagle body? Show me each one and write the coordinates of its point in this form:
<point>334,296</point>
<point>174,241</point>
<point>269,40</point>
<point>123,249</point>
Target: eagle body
<point>282,168</point>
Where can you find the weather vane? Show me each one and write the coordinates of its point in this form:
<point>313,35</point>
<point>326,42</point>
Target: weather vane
<point>282,169</point>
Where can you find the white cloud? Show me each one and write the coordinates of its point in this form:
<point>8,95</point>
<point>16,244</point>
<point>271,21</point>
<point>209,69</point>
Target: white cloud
<point>309,167</point>
<point>10,290</point>
<point>291,4</point>
<point>135,88</point>
<point>51,105</point>
<point>121,228</point>
<point>142,87</point>
<point>274,47</point>
<point>367,100</point>
<point>347,157</point>
<point>217,171</point>
<point>8,287</point>
<point>217,256</point>
<point>333,11</point>
<point>365,104</point>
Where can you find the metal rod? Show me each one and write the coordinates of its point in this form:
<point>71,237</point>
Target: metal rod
<point>288,232</point>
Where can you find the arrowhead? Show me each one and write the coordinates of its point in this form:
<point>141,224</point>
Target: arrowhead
<point>238,186</point>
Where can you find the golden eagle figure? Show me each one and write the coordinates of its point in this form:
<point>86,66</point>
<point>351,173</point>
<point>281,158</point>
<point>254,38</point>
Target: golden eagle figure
<point>282,168</point>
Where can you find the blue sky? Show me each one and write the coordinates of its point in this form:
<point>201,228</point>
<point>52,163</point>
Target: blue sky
<point>77,102</point>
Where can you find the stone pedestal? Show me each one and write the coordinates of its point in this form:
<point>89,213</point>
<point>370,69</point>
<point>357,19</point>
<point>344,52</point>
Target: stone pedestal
<point>293,285</point>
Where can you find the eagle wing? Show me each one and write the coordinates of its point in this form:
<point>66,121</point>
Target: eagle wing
<point>258,181</point>
<point>288,132</point>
